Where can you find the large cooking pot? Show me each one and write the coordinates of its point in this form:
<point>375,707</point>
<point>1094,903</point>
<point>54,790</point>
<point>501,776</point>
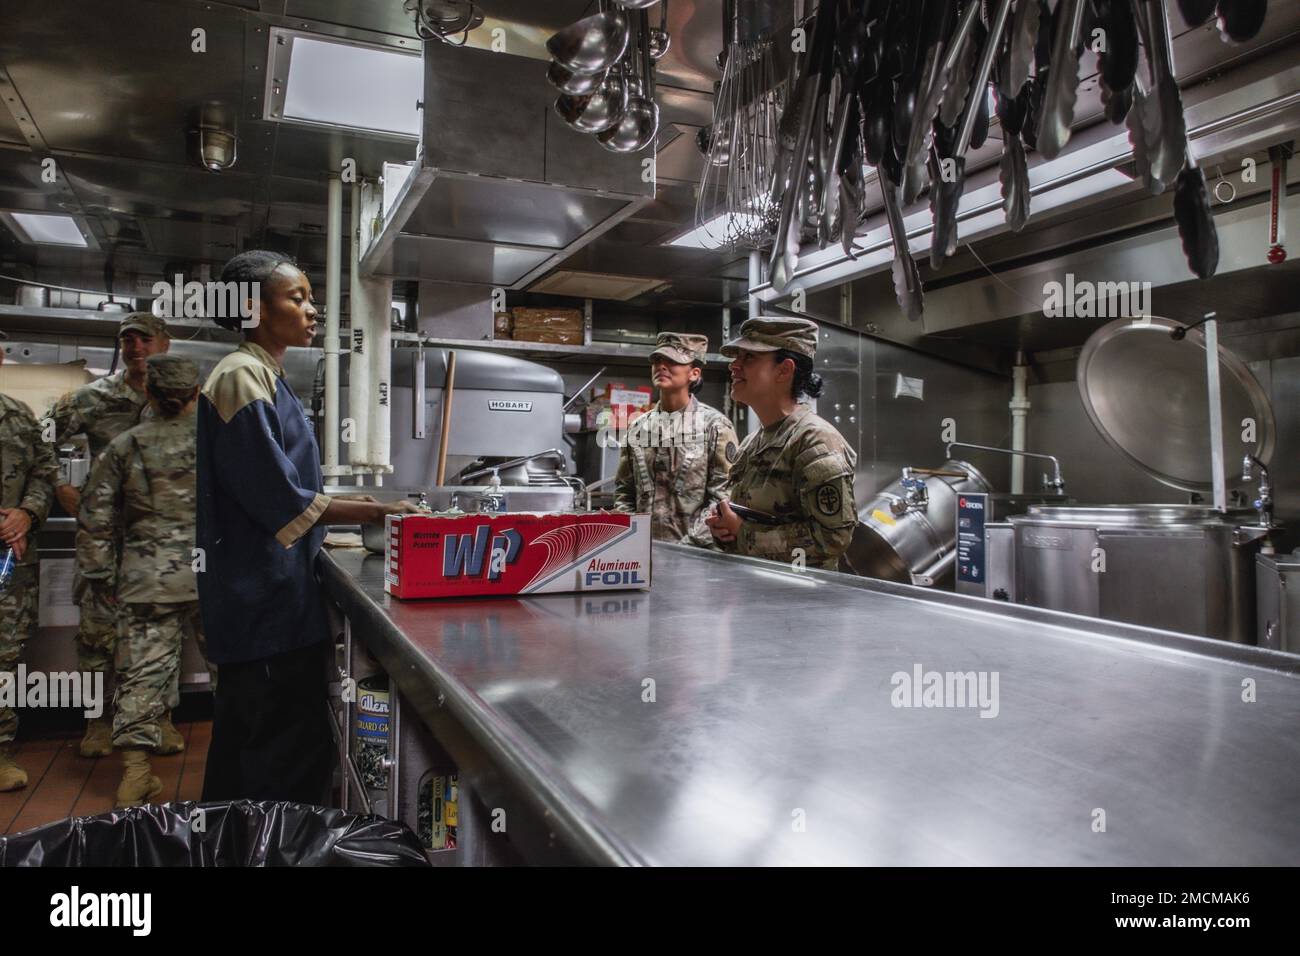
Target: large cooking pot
<point>1175,567</point>
<point>898,542</point>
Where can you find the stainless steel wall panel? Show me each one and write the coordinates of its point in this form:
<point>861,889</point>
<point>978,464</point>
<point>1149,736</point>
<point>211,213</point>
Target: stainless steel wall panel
<point>1094,472</point>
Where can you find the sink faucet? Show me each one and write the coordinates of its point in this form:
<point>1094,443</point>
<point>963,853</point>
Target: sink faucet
<point>1264,503</point>
<point>1056,482</point>
<point>916,497</point>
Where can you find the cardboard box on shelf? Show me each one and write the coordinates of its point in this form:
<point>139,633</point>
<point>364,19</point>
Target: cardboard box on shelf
<point>430,556</point>
<point>554,326</point>
<point>548,336</point>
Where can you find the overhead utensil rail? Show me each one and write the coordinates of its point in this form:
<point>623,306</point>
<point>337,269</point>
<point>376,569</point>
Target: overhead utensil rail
<point>1251,116</point>
<point>778,690</point>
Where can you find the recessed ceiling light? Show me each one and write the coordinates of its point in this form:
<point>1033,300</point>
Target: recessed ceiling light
<point>347,85</point>
<point>49,229</point>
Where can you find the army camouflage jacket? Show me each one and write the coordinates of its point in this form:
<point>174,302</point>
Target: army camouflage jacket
<point>673,466</point>
<point>28,468</point>
<point>799,469</point>
<point>135,530</point>
<point>101,411</point>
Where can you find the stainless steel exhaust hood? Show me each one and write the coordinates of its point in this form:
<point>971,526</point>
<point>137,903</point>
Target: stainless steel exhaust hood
<point>502,190</point>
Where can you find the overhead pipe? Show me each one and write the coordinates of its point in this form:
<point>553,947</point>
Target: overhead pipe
<point>358,363</point>
<point>333,278</point>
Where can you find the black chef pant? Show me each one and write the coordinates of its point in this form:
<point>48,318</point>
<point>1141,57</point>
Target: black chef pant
<point>271,738</point>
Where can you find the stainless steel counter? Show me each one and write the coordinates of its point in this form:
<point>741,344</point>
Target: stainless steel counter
<point>772,738</point>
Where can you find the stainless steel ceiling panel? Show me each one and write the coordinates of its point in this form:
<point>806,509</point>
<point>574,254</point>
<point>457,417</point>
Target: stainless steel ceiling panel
<point>445,260</point>
<point>9,131</point>
<point>191,240</point>
<point>380,17</point>
<point>489,210</point>
<point>20,182</point>
<point>120,84</point>
<point>108,187</point>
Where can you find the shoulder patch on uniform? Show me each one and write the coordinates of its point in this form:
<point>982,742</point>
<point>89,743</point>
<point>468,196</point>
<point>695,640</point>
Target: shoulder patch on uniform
<point>828,499</point>
<point>812,453</point>
<point>732,452</point>
<point>827,467</point>
<point>239,380</point>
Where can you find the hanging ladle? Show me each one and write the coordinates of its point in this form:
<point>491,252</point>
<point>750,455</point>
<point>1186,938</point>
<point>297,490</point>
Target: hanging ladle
<point>598,112</point>
<point>640,121</point>
<point>593,44</point>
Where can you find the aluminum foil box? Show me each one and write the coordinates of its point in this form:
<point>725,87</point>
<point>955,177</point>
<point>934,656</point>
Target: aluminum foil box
<point>518,553</point>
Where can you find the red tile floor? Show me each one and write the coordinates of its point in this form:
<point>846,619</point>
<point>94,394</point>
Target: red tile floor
<point>63,784</point>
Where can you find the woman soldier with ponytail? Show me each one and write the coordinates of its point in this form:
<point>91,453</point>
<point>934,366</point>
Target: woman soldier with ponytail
<point>136,549</point>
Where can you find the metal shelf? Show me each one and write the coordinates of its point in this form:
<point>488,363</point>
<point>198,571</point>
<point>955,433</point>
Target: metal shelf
<point>597,353</point>
<point>83,321</point>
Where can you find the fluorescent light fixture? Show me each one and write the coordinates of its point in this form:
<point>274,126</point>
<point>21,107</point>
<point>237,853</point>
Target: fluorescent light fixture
<point>344,85</point>
<point>51,230</point>
<point>713,234</point>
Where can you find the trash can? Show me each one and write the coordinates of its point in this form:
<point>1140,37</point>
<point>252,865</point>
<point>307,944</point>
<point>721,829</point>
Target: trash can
<point>236,833</point>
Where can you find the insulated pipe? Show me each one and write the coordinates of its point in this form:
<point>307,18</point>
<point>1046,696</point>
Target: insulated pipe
<point>358,365</point>
<point>378,294</point>
<point>379,306</point>
<point>1020,406</point>
<point>333,277</point>
<point>1218,478</point>
<point>755,280</point>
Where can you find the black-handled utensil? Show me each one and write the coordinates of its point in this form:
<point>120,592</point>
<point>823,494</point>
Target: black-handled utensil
<point>754,515</point>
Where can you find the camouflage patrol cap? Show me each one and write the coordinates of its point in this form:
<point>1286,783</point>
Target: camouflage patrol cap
<point>172,371</point>
<point>771,333</point>
<point>680,348</point>
<point>145,322</point>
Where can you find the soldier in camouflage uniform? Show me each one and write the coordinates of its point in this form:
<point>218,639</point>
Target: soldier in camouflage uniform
<point>797,470</point>
<point>135,541</point>
<point>677,455</point>
<point>99,412</point>
<point>28,470</point>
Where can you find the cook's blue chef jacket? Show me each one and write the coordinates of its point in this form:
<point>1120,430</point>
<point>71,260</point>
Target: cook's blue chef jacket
<point>259,496</point>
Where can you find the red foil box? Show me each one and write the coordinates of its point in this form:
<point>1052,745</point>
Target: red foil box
<point>521,553</point>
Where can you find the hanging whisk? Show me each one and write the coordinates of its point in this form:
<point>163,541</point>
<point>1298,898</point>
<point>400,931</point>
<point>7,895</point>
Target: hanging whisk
<point>735,205</point>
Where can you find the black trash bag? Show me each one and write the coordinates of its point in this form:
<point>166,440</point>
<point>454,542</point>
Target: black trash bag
<point>239,833</point>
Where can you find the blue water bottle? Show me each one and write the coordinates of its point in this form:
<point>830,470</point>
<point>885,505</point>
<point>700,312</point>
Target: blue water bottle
<point>6,569</point>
